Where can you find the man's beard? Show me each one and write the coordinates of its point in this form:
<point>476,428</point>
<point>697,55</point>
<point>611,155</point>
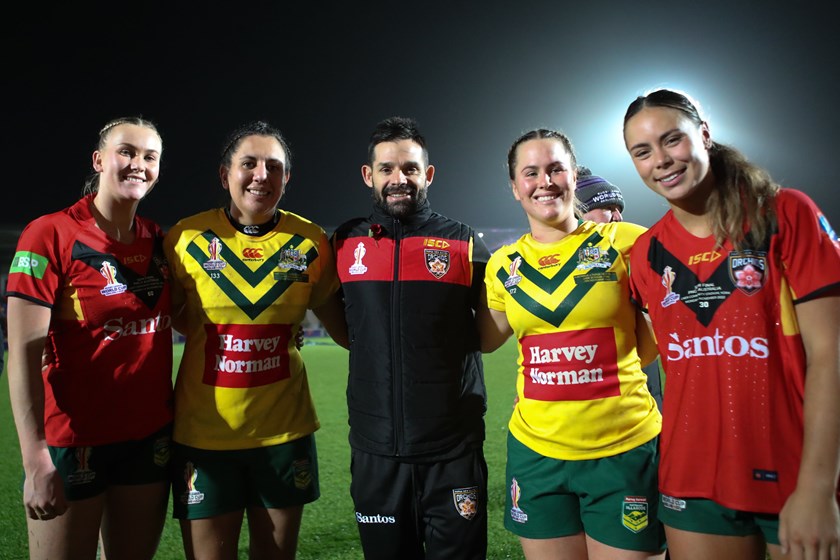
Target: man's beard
<point>401,208</point>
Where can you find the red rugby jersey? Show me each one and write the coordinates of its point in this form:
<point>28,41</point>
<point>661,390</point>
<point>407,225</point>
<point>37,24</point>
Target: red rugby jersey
<point>110,328</point>
<point>732,353</point>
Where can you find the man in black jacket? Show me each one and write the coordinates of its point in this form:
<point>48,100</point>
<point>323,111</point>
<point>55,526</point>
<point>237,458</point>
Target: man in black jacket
<point>411,280</point>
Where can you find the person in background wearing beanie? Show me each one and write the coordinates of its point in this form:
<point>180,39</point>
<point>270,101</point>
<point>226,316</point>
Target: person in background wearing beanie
<point>602,203</point>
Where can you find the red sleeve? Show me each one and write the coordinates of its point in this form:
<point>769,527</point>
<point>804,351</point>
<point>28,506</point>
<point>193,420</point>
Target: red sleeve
<point>37,271</point>
<point>809,248</point>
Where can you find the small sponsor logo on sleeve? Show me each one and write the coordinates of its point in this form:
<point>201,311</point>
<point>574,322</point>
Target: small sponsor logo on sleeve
<point>827,228</point>
<point>27,262</point>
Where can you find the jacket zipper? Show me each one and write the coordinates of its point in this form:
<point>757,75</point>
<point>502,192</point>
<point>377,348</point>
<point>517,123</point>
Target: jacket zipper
<point>395,343</point>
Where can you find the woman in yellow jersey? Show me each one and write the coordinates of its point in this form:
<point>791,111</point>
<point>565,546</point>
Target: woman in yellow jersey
<point>582,443</point>
<point>243,277</point>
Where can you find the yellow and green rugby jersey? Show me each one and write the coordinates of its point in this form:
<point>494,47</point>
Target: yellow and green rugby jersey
<point>242,382</point>
<point>582,392</point>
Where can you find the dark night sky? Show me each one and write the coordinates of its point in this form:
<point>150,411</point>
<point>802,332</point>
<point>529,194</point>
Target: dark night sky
<point>474,75</point>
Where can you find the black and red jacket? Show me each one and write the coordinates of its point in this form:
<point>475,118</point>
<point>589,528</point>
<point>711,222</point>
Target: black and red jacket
<point>410,285</point>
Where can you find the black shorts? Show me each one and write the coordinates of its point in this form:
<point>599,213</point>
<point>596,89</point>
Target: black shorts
<point>421,510</point>
<point>88,471</point>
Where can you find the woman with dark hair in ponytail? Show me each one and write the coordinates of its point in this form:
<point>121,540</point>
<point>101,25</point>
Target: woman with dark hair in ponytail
<point>741,283</point>
<point>243,277</point>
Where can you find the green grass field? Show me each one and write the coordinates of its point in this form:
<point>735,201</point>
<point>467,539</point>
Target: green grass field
<point>329,526</point>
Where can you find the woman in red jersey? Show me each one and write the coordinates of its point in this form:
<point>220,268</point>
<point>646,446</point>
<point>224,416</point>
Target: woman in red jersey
<point>90,283</point>
<point>741,282</point>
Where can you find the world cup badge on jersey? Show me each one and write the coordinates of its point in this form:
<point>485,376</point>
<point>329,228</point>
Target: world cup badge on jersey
<point>466,501</point>
<point>635,513</point>
<point>668,277</point>
<point>748,270</point>
<point>437,262</point>
<point>215,262</point>
<point>358,254</point>
<point>515,512</point>
<point>83,473</point>
<point>112,286</point>
<point>513,277</point>
<point>191,496</point>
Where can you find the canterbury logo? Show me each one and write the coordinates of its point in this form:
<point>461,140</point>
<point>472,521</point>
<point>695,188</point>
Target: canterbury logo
<point>549,260</point>
<point>252,253</point>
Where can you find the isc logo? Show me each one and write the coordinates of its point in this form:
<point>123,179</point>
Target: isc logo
<point>134,259</point>
<point>252,253</point>
<point>436,243</point>
<point>709,256</point>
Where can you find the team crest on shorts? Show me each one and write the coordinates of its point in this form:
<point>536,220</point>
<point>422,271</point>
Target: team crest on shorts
<point>634,513</point>
<point>466,501</point>
<point>437,262</point>
<point>161,450</point>
<point>303,473</point>
<point>748,270</point>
